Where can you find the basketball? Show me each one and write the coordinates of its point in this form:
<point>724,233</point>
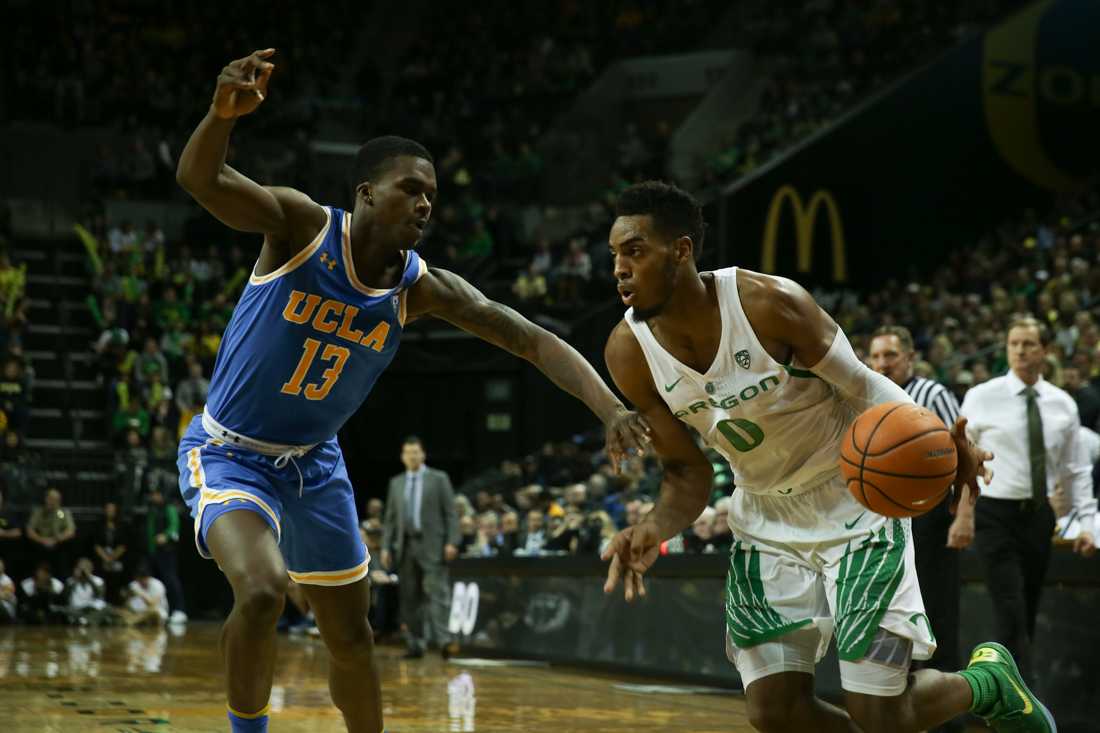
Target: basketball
<point>898,459</point>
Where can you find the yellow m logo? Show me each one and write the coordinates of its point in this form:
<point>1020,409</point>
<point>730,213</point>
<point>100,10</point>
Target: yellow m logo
<point>804,219</point>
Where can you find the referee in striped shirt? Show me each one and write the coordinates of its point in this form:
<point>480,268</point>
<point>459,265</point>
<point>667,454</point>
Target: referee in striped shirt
<point>937,536</point>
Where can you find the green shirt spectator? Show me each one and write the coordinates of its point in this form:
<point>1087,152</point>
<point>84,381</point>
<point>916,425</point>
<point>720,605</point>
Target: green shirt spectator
<point>132,417</point>
<point>162,522</point>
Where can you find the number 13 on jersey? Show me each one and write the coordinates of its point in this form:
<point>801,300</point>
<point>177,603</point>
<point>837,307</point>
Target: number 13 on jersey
<point>337,356</point>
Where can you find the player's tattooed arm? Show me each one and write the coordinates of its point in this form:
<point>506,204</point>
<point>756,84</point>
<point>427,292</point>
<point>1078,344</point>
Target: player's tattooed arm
<point>287,217</point>
<point>687,479</point>
<point>445,295</point>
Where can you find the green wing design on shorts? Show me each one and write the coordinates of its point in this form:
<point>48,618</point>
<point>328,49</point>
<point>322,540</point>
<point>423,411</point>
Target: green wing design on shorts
<point>869,576</point>
<point>750,618</point>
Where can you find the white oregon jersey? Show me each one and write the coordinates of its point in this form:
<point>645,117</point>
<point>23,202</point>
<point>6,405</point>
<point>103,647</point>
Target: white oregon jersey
<point>778,426</point>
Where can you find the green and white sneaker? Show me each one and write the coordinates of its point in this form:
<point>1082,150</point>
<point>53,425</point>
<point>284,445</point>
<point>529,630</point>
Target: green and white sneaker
<point>1001,697</point>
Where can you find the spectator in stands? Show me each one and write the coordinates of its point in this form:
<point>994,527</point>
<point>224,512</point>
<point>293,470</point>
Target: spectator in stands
<point>13,282</point>
<point>110,544</point>
<point>576,498</point>
<point>697,538</point>
<point>383,584</point>
<point>542,262</point>
<point>43,595</point>
<point>21,471</point>
<point>463,507</point>
<point>509,534</point>
<point>50,529</point>
<point>595,534</point>
<point>530,285</point>
<point>375,509</point>
<point>85,592</point>
<point>146,599</point>
<point>152,361</point>
<point>721,536</point>
<point>191,393</point>
<point>533,537</point>
<point>162,532</point>
<point>488,539</point>
<point>131,468</point>
<point>9,606</point>
<point>11,531</point>
<point>574,272</point>
<point>467,542</point>
<point>1084,394</point>
<point>131,417</point>
<point>564,533</point>
<point>14,398</point>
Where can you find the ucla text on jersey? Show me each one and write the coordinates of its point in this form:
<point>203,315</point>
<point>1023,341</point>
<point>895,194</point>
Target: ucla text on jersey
<point>307,342</point>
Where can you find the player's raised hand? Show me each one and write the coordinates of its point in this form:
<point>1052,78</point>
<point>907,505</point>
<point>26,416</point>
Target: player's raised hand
<point>242,85</point>
<point>631,552</point>
<point>627,435</point>
<point>971,465</point>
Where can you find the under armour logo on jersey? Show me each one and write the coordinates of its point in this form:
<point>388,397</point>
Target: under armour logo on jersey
<point>329,262</point>
<point>742,358</point>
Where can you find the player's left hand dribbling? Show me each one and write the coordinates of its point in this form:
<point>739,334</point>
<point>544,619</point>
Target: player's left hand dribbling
<point>971,465</point>
<point>628,435</point>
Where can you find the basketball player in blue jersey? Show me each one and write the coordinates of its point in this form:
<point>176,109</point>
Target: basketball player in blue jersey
<point>319,320</point>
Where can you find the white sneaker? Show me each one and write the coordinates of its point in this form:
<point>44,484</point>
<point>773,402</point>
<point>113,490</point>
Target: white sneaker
<point>177,617</point>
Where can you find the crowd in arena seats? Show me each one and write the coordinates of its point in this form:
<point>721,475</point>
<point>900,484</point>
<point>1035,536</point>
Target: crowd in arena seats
<point>827,57</point>
<point>104,578</point>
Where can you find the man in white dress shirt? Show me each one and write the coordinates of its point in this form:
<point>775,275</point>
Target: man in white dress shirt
<point>1031,427</point>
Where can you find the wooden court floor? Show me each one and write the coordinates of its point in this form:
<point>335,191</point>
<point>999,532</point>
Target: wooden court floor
<point>130,681</point>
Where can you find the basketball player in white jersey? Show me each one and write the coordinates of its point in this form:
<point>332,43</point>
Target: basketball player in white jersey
<point>766,377</point>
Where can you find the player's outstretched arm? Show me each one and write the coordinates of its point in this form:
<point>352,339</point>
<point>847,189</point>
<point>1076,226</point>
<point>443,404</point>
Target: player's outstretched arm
<point>445,295</point>
<point>688,475</point>
<point>283,214</point>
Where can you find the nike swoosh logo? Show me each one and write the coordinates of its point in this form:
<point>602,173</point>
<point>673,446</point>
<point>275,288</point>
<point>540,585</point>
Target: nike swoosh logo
<point>1027,701</point>
<point>670,387</point>
<point>849,525</point>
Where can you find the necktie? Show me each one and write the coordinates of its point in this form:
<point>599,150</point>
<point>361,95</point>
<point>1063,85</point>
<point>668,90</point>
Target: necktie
<point>412,499</point>
<point>1036,447</point>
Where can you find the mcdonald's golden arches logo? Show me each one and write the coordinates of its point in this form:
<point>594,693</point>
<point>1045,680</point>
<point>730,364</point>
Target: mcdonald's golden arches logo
<point>804,219</point>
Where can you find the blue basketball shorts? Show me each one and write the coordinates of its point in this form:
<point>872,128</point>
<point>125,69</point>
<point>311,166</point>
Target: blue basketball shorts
<point>313,516</point>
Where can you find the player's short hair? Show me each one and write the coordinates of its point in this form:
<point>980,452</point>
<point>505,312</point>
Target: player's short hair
<point>412,440</point>
<point>904,337</point>
<point>375,155</point>
<point>1027,320</point>
<point>675,212</point>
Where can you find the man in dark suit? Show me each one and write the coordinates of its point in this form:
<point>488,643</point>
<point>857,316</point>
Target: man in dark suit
<point>421,537</point>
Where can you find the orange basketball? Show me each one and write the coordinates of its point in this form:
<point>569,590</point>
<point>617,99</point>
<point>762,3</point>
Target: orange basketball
<point>898,459</point>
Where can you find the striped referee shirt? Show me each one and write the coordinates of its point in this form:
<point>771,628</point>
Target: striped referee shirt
<point>932,395</point>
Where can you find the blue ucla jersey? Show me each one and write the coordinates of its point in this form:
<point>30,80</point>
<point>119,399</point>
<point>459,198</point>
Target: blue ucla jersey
<point>307,342</point>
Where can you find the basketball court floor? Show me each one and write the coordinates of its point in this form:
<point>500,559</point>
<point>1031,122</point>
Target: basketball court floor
<point>131,681</point>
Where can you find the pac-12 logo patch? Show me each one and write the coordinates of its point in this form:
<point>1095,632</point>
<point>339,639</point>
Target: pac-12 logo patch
<point>742,358</point>
<point>396,303</point>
